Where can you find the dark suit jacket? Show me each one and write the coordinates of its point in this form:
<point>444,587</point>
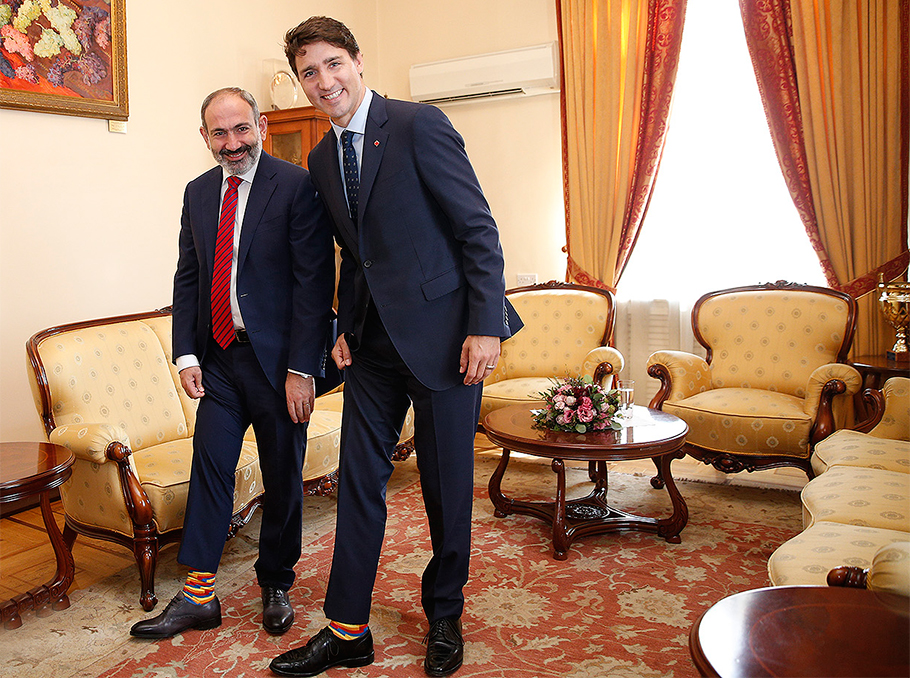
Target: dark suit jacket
<point>285,270</point>
<point>425,248</point>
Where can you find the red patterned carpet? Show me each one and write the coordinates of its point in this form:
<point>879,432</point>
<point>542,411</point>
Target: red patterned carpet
<point>620,605</point>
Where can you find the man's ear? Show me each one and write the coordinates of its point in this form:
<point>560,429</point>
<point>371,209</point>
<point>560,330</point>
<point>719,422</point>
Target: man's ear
<point>205,136</point>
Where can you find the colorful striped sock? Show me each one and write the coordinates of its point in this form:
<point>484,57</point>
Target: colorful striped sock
<point>199,587</point>
<point>348,631</point>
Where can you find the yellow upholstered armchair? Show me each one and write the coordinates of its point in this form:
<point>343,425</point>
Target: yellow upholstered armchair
<point>108,390</point>
<point>567,331</point>
<point>774,382</point>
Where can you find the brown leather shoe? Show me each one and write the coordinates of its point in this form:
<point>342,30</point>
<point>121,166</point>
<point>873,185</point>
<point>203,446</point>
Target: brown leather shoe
<point>277,613</point>
<point>180,615</point>
<point>445,647</point>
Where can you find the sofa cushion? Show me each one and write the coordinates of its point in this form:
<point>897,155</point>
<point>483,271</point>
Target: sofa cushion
<point>744,421</point>
<point>519,391</point>
<point>852,448</point>
<point>807,558</point>
<point>858,496</point>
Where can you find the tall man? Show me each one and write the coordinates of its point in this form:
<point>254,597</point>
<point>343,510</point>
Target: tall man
<point>252,302</point>
<point>422,311</point>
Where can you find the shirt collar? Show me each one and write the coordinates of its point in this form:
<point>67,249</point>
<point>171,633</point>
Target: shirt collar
<point>246,176</point>
<point>358,122</point>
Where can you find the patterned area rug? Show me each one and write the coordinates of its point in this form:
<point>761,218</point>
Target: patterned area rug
<point>621,604</point>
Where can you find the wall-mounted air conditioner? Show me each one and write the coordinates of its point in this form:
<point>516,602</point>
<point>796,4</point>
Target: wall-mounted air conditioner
<point>515,72</point>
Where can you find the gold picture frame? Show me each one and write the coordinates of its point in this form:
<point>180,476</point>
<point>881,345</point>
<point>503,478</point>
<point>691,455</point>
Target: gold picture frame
<point>69,58</point>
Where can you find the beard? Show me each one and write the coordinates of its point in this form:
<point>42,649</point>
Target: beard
<point>245,164</point>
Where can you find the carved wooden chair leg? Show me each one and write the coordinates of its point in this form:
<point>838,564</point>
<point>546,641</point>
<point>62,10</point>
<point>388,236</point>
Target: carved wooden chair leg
<point>657,482</point>
<point>146,553</point>
<point>69,537</point>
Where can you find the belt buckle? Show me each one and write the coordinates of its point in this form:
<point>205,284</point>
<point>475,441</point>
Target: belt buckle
<point>241,336</point>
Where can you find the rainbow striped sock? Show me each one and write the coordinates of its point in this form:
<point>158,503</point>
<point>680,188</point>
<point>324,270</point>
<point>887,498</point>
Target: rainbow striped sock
<point>348,631</point>
<point>199,587</point>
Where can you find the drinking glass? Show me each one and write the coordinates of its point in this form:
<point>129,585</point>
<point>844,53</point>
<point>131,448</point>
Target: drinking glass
<point>626,388</point>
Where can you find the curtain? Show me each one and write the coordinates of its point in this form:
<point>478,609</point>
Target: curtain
<point>833,76</point>
<point>619,60</point>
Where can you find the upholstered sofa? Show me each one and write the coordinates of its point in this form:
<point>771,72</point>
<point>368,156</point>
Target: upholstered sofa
<point>856,511</point>
<point>108,390</point>
<point>567,331</point>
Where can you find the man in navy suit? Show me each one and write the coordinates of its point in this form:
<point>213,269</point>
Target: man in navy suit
<point>422,311</point>
<point>252,305</point>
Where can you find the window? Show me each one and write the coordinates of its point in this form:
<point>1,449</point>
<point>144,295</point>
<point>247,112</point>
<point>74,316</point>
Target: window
<point>721,214</point>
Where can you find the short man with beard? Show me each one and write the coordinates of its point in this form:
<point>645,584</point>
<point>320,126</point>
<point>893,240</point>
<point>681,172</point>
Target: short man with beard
<point>252,303</point>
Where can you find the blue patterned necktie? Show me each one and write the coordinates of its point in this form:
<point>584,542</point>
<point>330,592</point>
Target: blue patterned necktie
<point>351,175</point>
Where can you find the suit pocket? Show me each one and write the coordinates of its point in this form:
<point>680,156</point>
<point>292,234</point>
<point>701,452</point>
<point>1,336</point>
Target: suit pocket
<point>442,284</point>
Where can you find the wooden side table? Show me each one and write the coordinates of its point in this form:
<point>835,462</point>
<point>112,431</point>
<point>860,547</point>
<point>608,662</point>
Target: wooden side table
<point>26,470</point>
<point>875,370</point>
<point>803,631</point>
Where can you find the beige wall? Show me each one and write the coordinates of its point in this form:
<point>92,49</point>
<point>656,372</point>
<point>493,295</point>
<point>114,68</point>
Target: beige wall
<point>89,219</point>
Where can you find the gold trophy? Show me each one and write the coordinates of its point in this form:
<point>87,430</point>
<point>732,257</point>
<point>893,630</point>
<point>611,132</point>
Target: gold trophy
<point>895,305</point>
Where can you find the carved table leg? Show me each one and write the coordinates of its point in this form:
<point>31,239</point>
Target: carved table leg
<point>560,535</point>
<point>66,568</point>
<point>669,528</point>
<point>501,503</point>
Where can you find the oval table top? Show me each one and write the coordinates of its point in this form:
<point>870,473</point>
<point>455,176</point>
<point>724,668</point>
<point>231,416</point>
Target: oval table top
<point>648,434</point>
<point>803,631</point>
<point>28,468</point>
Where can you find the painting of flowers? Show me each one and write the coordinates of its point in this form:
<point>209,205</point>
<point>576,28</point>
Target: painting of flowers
<point>64,56</point>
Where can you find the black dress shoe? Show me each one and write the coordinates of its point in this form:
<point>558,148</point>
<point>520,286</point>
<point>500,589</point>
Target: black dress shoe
<point>277,613</point>
<point>445,647</point>
<point>322,652</point>
<point>180,615</point>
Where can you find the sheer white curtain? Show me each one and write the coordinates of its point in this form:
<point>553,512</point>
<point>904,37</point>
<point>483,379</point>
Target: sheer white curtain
<point>721,215</point>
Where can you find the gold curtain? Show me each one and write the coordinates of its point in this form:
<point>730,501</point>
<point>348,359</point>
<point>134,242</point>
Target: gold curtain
<point>619,60</point>
<point>850,58</point>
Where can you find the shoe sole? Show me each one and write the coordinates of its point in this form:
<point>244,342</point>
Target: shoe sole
<point>352,663</point>
<point>202,626</point>
<point>448,672</point>
<point>277,631</point>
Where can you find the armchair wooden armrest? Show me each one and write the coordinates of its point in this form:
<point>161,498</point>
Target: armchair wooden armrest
<point>89,441</point>
<point>681,375</point>
<point>602,363</point>
<point>826,382</point>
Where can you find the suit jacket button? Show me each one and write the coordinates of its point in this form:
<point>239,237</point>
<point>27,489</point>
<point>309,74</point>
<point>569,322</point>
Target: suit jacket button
<point>367,263</point>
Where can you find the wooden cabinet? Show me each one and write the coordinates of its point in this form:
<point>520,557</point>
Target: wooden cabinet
<point>293,132</point>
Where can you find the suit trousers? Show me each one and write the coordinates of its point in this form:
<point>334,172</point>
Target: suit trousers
<point>378,389</point>
<point>237,394</point>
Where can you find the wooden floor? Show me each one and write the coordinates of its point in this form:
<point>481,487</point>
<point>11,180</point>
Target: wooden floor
<point>27,558</point>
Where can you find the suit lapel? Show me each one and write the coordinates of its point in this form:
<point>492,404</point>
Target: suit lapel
<point>210,211</point>
<point>261,191</point>
<point>374,143</point>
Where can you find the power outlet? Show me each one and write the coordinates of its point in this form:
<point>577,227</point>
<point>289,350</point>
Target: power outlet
<point>523,279</point>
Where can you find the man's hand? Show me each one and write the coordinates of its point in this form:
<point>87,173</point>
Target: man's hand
<point>191,380</point>
<point>301,395</point>
<point>341,354</point>
<point>479,355</point>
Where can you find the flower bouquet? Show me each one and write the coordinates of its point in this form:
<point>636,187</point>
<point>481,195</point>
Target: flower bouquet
<point>578,405</point>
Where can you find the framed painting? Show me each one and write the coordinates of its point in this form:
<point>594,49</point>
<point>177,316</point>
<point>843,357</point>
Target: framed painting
<point>64,56</point>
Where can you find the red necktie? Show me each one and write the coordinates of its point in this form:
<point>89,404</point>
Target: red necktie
<point>222,319</point>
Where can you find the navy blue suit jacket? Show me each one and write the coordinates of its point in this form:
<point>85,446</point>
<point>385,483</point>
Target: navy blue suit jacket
<point>285,270</point>
<point>425,246</point>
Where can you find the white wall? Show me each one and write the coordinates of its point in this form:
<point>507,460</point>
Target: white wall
<point>89,219</point>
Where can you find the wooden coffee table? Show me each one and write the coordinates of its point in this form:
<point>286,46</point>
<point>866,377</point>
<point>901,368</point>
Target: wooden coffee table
<point>26,470</point>
<point>803,631</point>
<point>651,434</point>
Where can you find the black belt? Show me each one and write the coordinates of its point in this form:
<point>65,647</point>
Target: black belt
<point>241,336</point>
